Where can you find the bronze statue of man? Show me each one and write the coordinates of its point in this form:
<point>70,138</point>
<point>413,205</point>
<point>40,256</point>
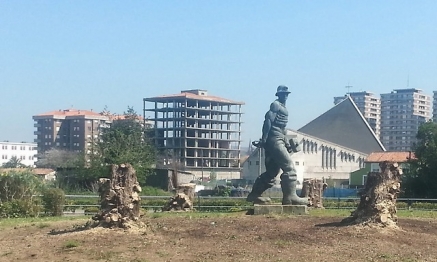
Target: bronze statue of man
<point>277,155</point>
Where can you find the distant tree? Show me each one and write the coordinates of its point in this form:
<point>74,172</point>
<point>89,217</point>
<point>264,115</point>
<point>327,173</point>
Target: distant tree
<point>213,176</point>
<point>421,178</point>
<point>124,142</point>
<point>14,162</point>
<point>58,158</point>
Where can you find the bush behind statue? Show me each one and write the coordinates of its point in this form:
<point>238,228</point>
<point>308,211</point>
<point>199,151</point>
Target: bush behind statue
<point>17,194</point>
<point>53,201</point>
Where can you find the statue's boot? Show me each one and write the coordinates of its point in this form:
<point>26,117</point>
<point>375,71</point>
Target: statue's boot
<point>289,196</point>
<point>255,195</point>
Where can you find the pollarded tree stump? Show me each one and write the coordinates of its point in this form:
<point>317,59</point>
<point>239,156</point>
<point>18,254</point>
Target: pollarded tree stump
<point>188,189</point>
<point>183,200</point>
<point>179,202</point>
<point>378,199</point>
<point>119,198</point>
<point>313,190</point>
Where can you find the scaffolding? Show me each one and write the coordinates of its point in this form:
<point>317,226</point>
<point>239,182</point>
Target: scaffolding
<point>198,130</point>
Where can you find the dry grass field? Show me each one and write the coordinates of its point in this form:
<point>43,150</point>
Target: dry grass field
<point>219,237</point>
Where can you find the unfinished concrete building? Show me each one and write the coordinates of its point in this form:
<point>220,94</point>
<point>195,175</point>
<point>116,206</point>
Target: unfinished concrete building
<point>201,132</point>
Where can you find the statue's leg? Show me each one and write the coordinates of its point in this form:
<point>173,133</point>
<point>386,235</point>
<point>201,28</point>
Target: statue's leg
<point>289,179</point>
<point>265,181</point>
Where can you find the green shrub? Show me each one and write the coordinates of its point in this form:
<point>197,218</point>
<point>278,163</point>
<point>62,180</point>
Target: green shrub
<point>19,208</point>
<point>54,201</point>
<point>91,210</point>
<point>17,194</point>
<point>153,191</point>
<point>424,205</point>
<point>19,185</point>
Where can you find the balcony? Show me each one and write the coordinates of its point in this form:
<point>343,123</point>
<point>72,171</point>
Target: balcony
<point>36,125</point>
<point>37,133</point>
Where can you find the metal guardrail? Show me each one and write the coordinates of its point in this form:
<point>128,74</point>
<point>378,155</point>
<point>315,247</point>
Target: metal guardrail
<point>199,206</point>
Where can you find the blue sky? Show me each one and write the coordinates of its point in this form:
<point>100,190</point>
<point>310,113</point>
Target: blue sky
<point>91,54</point>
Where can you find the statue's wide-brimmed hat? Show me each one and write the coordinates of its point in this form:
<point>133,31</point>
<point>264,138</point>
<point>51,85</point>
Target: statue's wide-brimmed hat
<point>283,90</point>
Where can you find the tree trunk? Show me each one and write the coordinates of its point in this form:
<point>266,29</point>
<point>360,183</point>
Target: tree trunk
<point>378,199</point>
<point>313,190</point>
<point>119,198</point>
<point>183,200</point>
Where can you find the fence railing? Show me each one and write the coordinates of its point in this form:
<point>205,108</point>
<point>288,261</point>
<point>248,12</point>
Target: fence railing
<point>202,204</point>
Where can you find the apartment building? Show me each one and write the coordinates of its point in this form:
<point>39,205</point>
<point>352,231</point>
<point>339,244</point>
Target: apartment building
<point>25,152</point>
<point>402,112</point>
<point>434,107</point>
<point>201,132</point>
<point>369,106</point>
<point>69,129</point>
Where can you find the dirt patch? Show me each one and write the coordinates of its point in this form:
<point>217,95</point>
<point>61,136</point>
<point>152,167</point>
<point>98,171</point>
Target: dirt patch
<point>237,238</point>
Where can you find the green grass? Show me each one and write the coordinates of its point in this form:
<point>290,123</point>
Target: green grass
<point>11,222</point>
<point>347,212</point>
<point>43,225</point>
<point>71,244</point>
<point>44,222</point>
<point>6,254</point>
<point>330,212</point>
<point>191,215</point>
<point>417,213</point>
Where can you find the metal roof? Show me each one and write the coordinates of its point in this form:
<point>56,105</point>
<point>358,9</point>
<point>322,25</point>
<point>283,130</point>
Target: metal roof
<point>344,125</point>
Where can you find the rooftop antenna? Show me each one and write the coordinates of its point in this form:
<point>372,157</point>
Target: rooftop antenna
<point>348,88</point>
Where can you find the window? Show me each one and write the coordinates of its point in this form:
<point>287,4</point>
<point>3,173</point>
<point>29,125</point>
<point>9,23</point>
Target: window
<point>14,147</point>
<point>4,157</point>
<point>4,147</point>
<point>22,148</point>
<point>296,163</point>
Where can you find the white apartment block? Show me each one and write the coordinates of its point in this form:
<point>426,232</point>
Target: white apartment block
<point>434,107</point>
<point>369,106</point>
<point>402,112</point>
<point>24,151</point>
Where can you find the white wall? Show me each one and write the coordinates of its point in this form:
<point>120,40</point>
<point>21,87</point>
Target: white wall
<point>24,151</point>
<point>309,164</point>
